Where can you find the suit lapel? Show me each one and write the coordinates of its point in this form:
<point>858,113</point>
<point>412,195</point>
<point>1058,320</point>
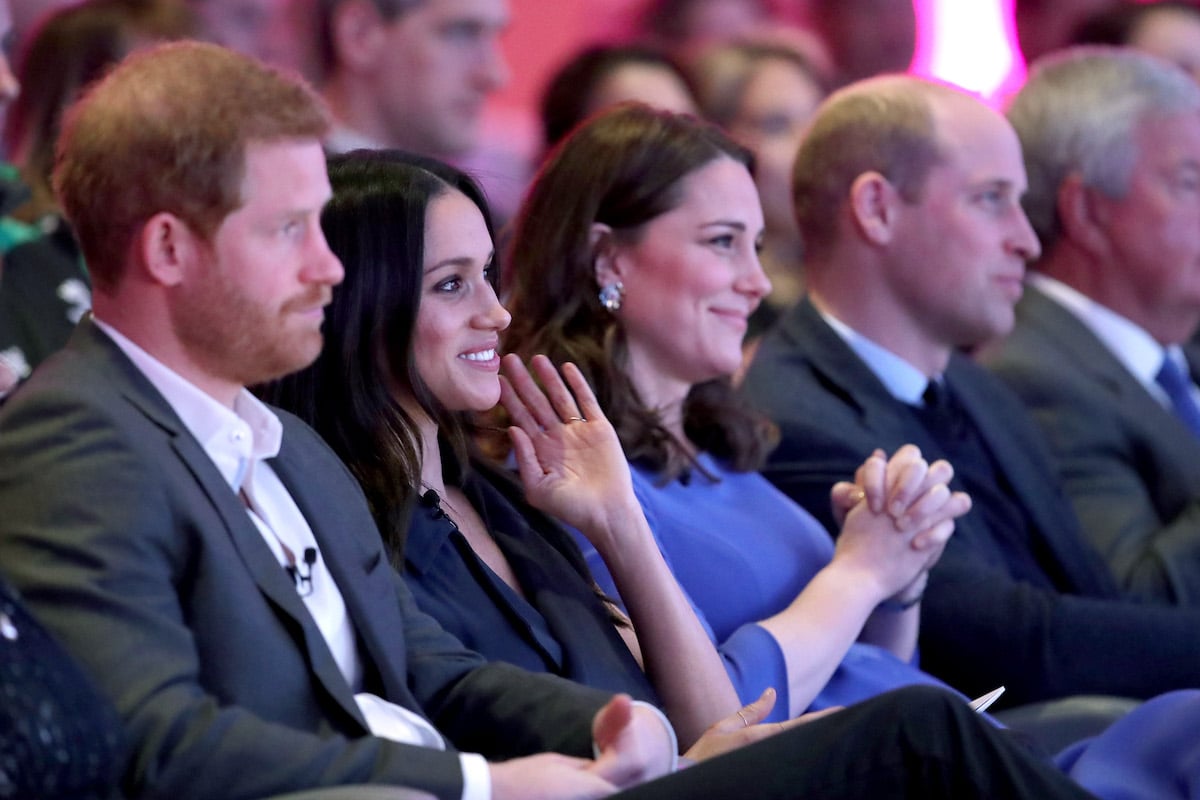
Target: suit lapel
<point>260,562</point>
<point>844,374</point>
<point>1057,327</point>
<point>363,575</point>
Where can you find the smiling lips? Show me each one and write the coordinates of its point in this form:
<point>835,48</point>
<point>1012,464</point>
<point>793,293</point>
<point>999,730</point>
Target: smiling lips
<point>482,357</point>
<point>732,316</point>
<point>1013,285</point>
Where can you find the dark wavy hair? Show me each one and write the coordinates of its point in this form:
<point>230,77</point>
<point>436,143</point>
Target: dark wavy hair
<point>568,97</point>
<point>375,224</point>
<point>622,168</point>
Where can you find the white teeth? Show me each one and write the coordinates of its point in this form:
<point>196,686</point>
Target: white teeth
<point>482,355</point>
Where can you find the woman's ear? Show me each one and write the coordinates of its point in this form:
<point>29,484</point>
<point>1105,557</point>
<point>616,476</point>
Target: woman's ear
<point>604,255</point>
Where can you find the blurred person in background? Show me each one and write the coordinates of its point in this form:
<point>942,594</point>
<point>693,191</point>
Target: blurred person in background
<point>865,37</point>
<point>410,74</point>
<point>43,291</point>
<point>684,27</point>
<point>1047,25</point>
<point>763,93</point>
<point>604,75</point>
<point>278,32</point>
<point>70,49</point>
<point>1168,29</point>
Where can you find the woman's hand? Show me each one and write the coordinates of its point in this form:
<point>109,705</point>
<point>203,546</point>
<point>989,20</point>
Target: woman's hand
<point>898,516</point>
<point>745,727</point>
<point>568,454</point>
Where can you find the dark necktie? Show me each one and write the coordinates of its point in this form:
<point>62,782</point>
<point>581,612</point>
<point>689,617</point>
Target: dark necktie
<point>1176,383</point>
<point>941,412</point>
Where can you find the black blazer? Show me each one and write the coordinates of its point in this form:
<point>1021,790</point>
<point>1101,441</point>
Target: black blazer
<point>560,626</point>
<point>1130,467</point>
<point>1035,610</point>
<point>127,542</point>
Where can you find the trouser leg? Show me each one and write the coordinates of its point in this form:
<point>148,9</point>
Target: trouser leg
<point>919,742</point>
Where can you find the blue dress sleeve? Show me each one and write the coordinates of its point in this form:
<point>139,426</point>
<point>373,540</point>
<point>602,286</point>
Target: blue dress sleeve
<point>751,655</point>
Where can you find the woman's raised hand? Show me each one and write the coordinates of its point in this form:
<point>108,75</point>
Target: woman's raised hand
<point>568,455</point>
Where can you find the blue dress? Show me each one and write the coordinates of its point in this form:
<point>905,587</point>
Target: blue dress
<point>742,551</point>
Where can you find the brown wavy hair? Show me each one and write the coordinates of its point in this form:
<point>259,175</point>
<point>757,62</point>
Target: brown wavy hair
<point>623,168</point>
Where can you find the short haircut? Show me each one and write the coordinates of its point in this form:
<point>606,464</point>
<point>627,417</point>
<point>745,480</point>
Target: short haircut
<point>883,125</point>
<point>71,48</point>
<point>568,97</point>
<point>326,9</point>
<point>1078,113</point>
<point>722,74</point>
<point>167,131</point>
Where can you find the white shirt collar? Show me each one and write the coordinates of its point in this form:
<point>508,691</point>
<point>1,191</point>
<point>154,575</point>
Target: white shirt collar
<point>343,139</point>
<point>233,439</point>
<point>904,381</point>
<point>1136,349</point>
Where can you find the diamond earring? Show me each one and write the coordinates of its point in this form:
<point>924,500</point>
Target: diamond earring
<point>610,296</point>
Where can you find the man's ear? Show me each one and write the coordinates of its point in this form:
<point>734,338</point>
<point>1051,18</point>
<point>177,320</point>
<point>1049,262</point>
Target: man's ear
<point>356,33</point>
<point>168,247</point>
<point>1083,214</point>
<point>605,252</point>
<point>873,206</point>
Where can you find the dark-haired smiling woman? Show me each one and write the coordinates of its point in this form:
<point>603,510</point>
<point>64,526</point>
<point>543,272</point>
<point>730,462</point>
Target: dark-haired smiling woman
<point>411,350</point>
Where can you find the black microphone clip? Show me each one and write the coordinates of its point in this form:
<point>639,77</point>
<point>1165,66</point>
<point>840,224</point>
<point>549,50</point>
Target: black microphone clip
<point>302,573</point>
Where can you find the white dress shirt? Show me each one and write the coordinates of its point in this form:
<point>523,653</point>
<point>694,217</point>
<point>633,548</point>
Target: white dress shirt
<point>239,441</point>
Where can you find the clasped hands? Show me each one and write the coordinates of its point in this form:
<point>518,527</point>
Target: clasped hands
<point>896,518</point>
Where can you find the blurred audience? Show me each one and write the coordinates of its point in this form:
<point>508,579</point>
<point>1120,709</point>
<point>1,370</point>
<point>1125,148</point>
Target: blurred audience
<point>1169,29</point>
<point>908,198</point>
<point>604,75</point>
<point>1111,139</point>
<point>865,37</point>
<point>1044,26</point>
<point>684,27</point>
<point>279,32</point>
<point>70,49</point>
<point>763,93</point>
<point>43,288</point>
<point>410,75</point>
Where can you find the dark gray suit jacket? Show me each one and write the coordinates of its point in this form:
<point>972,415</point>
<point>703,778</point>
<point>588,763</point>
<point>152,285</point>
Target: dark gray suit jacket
<point>1130,467</point>
<point>127,542</point>
<point>1035,610</point>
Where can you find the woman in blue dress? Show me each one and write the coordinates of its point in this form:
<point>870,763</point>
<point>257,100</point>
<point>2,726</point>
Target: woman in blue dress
<point>634,257</point>
<point>645,280</point>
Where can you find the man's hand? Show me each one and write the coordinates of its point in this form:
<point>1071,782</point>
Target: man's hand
<point>547,776</point>
<point>633,743</point>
